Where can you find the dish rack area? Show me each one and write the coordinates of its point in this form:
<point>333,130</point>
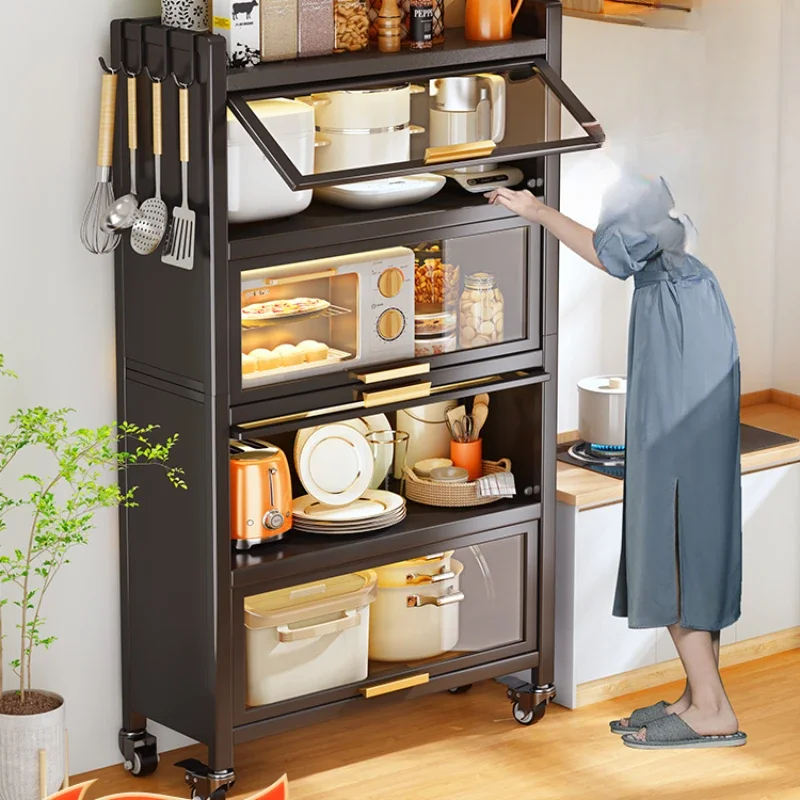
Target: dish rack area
<point>365,399</point>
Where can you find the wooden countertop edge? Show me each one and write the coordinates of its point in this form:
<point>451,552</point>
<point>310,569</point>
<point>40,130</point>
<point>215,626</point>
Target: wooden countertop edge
<point>602,491</point>
<point>639,16</point>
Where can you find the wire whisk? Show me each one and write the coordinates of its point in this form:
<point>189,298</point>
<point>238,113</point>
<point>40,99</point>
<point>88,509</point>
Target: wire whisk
<point>93,237</point>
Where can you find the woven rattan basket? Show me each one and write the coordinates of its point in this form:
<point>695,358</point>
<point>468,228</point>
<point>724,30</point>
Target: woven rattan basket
<point>452,495</point>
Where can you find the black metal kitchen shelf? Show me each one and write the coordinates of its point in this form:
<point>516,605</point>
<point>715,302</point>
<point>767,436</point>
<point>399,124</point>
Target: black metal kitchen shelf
<point>424,526</point>
<point>330,225</point>
<point>456,52</point>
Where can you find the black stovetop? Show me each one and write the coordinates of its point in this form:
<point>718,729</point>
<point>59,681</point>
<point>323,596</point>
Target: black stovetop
<point>753,439</point>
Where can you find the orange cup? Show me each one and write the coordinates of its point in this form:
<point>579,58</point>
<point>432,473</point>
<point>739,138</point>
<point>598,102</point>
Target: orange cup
<point>468,456</point>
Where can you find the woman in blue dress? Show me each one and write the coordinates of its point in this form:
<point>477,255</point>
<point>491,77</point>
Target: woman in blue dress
<point>681,561</point>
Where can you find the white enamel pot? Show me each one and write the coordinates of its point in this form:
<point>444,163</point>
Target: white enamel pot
<point>429,569</point>
<point>601,410</point>
<point>387,107</point>
<point>354,147</point>
<point>414,622</point>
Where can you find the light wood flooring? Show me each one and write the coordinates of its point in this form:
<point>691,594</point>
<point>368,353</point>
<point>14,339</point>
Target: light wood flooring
<point>467,747</point>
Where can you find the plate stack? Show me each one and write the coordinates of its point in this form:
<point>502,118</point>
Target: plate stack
<point>372,512</point>
<point>336,467</point>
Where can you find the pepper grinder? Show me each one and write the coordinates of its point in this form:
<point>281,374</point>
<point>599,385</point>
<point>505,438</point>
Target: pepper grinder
<point>388,25</point>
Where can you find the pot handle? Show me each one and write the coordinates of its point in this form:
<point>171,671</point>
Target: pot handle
<point>415,578</point>
<point>351,619</point>
<point>319,142</point>
<point>314,101</point>
<point>417,601</point>
<point>415,129</point>
<point>414,89</point>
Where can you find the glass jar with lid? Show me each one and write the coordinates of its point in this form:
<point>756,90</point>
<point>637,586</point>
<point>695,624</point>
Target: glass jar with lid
<point>480,311</point>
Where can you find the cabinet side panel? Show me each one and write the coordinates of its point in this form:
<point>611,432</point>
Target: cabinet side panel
<point>169,538</point>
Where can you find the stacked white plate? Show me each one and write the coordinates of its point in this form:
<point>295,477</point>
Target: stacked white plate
<point>375,510</point>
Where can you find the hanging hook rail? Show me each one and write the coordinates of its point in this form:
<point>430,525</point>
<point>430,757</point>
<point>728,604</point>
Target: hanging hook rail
<point>165,49</point>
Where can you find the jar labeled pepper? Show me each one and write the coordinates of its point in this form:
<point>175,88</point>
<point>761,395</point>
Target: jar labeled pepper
<point>481,311</point>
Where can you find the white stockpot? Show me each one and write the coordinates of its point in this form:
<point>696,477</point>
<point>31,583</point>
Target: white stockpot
<point>410,622</point>
<point>601,410</point>
<point>255,190</point>
<point>428,569</point>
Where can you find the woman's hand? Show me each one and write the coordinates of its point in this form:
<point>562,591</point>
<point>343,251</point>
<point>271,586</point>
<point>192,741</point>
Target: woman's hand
<point>522,203</point>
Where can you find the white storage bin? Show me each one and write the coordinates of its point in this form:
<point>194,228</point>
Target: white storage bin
<point>308,638</point>
<point>255,190</point>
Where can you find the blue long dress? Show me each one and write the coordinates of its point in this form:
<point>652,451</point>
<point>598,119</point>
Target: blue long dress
<point>681,555</point>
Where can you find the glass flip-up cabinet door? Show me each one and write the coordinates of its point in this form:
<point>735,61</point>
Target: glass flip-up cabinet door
<point>467,294</point>
<point>470,126</point>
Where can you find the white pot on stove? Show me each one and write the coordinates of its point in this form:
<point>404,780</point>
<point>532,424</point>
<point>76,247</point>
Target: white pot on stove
<point>601,410</point>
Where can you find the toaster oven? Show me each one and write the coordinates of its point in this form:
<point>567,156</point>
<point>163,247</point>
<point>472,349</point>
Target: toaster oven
<point>319,316</point>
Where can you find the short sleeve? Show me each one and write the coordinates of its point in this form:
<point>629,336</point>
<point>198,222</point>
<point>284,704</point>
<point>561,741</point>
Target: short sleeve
<point>622,250</point>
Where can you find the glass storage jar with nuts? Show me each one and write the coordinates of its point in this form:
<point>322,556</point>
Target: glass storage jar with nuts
<point>352,25</point>
<point>480,311</point>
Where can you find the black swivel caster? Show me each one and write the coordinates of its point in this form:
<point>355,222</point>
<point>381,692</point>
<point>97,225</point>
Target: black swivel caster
<point>529,702</point>
<point>528,717</point>
<point>460,689</point>
<point>205,784</point>
<point>140,751</point>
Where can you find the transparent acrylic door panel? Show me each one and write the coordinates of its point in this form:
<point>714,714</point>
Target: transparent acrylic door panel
<point>457,121</point>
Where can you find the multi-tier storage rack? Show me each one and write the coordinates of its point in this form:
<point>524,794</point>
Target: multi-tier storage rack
<point>178,345</point>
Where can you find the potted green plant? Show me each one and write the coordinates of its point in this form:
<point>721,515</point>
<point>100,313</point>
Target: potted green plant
<point>51,513</point>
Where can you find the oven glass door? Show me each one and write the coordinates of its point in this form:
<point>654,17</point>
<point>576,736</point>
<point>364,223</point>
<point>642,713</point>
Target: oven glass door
<point>475,124</point>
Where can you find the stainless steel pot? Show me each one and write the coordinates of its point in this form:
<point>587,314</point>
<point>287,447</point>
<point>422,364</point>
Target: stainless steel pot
<point>601,410</point>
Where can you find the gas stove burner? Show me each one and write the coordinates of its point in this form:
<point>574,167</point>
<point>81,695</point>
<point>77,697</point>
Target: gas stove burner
<point>599,454</point>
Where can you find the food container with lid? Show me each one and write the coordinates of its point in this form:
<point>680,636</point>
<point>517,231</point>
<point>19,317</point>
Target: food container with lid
<point>413,620</point>
<point>315,28</point>
<point>481,317</point>
<point>308,638</point>
<point>278,29</point>
<point>255,190</point>
<point>351,20</point>
<point>601,410</point>
<point>428,346</point>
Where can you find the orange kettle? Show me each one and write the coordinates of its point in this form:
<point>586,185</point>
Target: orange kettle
<point>489,20</point>
<point>261,494</point>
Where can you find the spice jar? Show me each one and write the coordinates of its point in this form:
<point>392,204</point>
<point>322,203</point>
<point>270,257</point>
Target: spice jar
<point>390,32</point>
<point>480,311</point>
<point>315,28</point>
<point>420,25</point>
<point>190,15</point>
<point>351,20</point>
<point>278,30</point>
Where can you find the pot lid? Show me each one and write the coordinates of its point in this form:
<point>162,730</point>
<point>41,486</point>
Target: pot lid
<point>604,384</point>
<point>280,115</point>
<point>298,603</point>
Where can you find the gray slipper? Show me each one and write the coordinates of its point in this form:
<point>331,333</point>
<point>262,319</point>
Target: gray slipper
<point>640,718</point>
<point>671,732</point>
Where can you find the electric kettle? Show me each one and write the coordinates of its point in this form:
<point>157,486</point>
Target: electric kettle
<point>261,494</point>
<point>469,109</point>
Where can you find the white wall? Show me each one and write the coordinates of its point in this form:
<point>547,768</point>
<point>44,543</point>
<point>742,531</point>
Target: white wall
<point>699,107</point>
<point>787,300</point>
<point>57,324</point>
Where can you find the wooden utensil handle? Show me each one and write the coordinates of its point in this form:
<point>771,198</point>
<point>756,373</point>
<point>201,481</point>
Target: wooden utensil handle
<point>184,112</point>
<point>158,143</point>
<point>108,103</point>
<point>133,132</point>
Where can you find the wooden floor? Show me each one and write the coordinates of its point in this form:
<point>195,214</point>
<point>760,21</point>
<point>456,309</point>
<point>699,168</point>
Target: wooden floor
<point>467,747</point>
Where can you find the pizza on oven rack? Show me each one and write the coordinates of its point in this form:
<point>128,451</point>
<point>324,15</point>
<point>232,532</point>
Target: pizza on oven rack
<point>292,307</point>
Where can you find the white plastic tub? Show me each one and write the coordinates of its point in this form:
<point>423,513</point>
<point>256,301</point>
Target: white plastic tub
<point>308,638</point>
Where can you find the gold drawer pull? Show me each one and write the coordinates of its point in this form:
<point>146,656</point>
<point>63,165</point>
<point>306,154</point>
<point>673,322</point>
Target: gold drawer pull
<point>395,686</point>
<point>456,152</point>
<point>398,395</point>
<point>394,374</point>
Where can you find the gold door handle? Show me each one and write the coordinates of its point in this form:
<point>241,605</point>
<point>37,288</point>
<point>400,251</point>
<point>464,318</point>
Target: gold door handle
<point>398,395</point>
<point>395,686</point>
<point>394,374</point>
<point>457,152</point>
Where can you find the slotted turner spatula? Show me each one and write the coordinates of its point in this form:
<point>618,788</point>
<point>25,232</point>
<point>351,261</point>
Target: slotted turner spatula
<point>179,251</point>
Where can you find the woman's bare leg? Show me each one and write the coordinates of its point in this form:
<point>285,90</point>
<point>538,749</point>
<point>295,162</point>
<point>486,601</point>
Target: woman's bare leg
<point>709,711</point>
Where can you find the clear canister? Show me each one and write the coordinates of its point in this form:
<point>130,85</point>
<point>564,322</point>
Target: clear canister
<point>351,19</point>
<point>481,311</point>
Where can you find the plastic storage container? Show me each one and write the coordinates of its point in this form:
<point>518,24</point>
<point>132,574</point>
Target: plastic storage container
<point>255,190</point>
<point>351,19</point>
<point>308,638</point>
<point>481,311</point>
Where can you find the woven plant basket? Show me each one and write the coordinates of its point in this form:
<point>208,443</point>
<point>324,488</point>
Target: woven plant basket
<point>452,495</point>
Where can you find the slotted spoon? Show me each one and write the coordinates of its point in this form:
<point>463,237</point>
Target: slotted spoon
<point>179,251</point>
<point>151,223</point>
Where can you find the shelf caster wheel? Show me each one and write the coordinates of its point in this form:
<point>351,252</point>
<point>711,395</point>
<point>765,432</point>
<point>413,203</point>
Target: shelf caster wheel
<point>204,784</point>
<point>140,751</point>
<point>460,689</point>
<point>528,717</point>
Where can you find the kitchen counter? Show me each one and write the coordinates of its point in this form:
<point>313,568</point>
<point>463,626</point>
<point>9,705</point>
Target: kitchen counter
<point>675,17</point>
<point>584,489</point>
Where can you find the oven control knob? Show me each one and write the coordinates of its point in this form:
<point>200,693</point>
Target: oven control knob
<point>391,282</point>
<point>391,324</point>
<point>273,520</point>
